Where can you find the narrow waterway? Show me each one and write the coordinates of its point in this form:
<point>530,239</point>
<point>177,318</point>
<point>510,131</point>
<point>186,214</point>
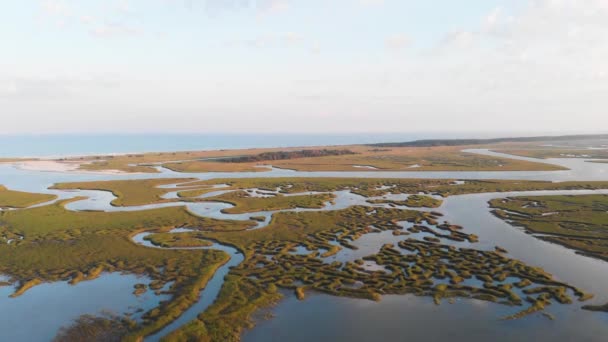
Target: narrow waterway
<point>207,295</point>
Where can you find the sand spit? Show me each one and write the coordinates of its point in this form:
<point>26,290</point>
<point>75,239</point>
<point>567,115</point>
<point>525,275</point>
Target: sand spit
<point>59,166</point>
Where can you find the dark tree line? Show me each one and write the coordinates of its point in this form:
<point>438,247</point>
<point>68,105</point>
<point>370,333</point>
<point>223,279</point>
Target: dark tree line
<point>462,142</point>
<point>282,155</point>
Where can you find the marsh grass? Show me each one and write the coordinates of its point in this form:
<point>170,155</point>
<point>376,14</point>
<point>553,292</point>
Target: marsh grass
<point>372,187</point>
<point>424,268</point>
<point>413,201</point>
<point>20,199</point>
<point>172,240</point>
<point>58,244</point>
<point>62,245</point>
<point>438,158</point>
<point>244,203</point>
<point>103,328</point>
<point>129,192</point>
<point>576,222</point>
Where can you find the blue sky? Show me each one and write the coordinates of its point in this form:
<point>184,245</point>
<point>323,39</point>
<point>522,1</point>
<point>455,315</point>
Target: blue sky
<point>303,66</point>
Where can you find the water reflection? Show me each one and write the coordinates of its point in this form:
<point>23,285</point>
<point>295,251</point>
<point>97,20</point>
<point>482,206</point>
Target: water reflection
<point>409,318</point>
<point>38,314</point>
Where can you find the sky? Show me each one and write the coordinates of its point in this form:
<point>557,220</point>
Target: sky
<point>305,66</point>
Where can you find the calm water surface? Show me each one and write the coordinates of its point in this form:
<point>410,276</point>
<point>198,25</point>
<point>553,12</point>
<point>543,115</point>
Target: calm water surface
<point>38,314</point>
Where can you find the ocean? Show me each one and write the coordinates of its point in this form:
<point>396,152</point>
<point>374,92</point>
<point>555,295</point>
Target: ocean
<point>61,145</point>
<point>87,144</point>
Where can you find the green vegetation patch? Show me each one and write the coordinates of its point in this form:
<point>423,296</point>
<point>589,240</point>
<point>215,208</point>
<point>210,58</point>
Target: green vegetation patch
<point>283,155</point>
<point>129,192</point>
<point>51,243</point>
<point>577,222</point>
<point>106,327</point>
<point>172,240</point>
<point>19,199</point>
<point>56,244</point>
<point>194,166</point>
<point>544,153</point>
<point>413,201</point>
<point>374,187</point>
<point>412,266</point>
<point>245,203</point>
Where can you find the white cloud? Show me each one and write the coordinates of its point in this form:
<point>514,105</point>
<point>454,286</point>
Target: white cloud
<point>87,19</point>
<point>261,8</point>
<point>51,88</point>
<point>493,20</point>
<point>267,7</point>
<point>124,6</point>
<point>316,48</point>
<point>56,8</point>
<point>371,3</point>
<point>397,41</point>
<point>459,39</point>
<point>115,30</point>
<point>548,59</point>
<point>271,40</point>
<point>540,67</point>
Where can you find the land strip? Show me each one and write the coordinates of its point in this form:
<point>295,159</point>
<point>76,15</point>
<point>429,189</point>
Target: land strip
<point>577,222</point>
<point>20,199</point>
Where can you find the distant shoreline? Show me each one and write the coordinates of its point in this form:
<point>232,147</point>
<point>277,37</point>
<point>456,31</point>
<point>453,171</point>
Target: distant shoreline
<point>52,147</point>
<point>463,142</point>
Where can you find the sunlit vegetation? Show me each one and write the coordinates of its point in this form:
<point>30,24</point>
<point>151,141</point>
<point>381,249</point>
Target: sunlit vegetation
<point>412,201</point>
<point>577,222</point>
<point>200,190</point>
<point>564,139</point>
<point>104,328</point>
<point>230,313</point>
<point>435,158</point>
<point>283,155</point>
<point>412,266</point>
<point>371,187</point>
<point>50,243</point>
<point>544,153</point>
<point>150,191</point>
<point>13,160</point>
<point>19,199</point>
<point>145,162</point>
<point>212,166</point>
<point>171,240</point>
<point>412,159</point>
<point>57,244</point>
<point>244,202</point>
<point>129,192</point>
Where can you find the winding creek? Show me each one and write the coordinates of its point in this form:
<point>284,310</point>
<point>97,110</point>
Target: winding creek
<point>394,318</point>
<point>211,291</point>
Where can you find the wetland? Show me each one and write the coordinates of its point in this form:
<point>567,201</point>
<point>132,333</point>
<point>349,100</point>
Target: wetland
<point>231,256</point>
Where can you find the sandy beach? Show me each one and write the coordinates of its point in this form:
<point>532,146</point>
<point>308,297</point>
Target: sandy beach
<point>59,166</point>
